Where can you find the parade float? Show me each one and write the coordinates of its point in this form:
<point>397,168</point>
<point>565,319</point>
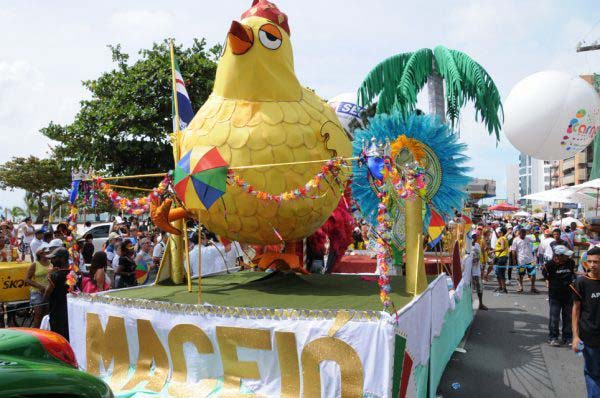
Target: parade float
<point>265,161</point>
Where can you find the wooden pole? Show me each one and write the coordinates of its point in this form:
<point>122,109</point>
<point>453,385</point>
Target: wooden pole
<point>178,242</point>
<point>199,261</point>
<point>188,269</point>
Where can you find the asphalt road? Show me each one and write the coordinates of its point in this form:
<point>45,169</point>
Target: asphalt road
<point>507,354</point>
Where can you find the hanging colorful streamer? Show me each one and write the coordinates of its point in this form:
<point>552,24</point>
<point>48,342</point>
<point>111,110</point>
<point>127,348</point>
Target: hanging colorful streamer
<point>135,206</point>
<point>397,182</point>
<point>331,168</point>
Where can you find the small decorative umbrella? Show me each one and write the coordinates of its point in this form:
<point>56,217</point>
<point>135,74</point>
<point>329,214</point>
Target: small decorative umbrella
<point>435,228</point>
<point>141,273</point>
<point>200,177</point>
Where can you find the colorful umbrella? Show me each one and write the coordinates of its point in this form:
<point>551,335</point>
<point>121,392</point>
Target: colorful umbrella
<point>141,273</point>
<point>200,177</point>
<point>436,228</point>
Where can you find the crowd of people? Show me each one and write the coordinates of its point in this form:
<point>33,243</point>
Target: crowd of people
<point>56,253</point>
<point>502,248</point>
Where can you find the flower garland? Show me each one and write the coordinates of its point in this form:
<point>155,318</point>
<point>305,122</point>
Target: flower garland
<point>331,168</point>
<point>409,182</point>
<point>406,184</point>
<point>135,206</point>
<point>383,255</point>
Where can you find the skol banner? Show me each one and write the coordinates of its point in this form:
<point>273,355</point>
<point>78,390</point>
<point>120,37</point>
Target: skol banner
<point>144,348</point>
<point>12,282</point>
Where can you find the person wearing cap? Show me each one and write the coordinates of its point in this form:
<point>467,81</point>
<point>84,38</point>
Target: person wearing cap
<point>111,245</point>
<point>544,251</point>
<point>144,259</point>
<point>57,290</point>
<point>36,243</point>
<point>159,249</point>
<point>56,243</point>
<point>560,274</point>
<point>37,279</point>
<point>522,251</point>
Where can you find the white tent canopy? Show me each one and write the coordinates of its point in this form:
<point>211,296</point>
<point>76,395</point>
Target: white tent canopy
<point>591,185</point>
<point>521,214</point>
<point>564,194</point>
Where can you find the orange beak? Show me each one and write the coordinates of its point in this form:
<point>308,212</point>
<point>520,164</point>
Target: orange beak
<point>240,38</point>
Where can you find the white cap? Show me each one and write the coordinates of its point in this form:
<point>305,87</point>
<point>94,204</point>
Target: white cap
<point>43,247</point>
<point>56,243</point>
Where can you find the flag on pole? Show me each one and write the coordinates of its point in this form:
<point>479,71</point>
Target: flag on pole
<point>184,113</point>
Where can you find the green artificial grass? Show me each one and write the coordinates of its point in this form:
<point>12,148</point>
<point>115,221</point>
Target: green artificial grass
<point>278,290</point>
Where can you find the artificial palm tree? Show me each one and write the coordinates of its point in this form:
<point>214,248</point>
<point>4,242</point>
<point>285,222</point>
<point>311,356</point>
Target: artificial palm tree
<point>395,82</point>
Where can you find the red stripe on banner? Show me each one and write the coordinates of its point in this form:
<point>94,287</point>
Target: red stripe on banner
<point>407,365</point>
<point>180,81</point>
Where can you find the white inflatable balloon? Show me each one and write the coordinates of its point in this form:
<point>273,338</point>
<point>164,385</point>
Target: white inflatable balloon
<point>551,115</point>
<point>345,107</point>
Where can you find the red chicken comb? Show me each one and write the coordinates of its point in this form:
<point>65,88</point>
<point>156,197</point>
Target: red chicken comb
<point>268,10</point>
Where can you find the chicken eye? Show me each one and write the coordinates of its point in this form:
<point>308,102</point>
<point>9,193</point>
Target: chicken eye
<point>270,36</point>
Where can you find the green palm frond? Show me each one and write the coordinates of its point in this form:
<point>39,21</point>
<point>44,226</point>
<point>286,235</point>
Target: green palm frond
<point>395,81</point>
<point>414,76</point>
<point>478,86</point>
<point>387,72</point>
<point>447,68</point>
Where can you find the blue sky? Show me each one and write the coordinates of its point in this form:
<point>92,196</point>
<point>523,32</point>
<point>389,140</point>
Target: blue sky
<point>50,47</point>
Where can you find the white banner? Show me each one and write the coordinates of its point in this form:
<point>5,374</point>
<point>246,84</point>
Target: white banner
<point>161,349</point>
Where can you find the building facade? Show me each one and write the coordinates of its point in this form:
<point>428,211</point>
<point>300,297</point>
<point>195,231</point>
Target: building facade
<point>512,184</point>
<point>534,175</point>
<point>574,170</point>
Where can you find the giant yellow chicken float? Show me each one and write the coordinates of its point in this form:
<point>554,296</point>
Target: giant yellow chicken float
<point>259,114</point>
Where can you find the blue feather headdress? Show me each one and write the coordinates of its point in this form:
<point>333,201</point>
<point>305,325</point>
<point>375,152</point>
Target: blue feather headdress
<point>450,178</point>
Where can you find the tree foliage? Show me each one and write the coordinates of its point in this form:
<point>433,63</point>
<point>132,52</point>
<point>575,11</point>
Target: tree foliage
<point>124,128</point>
<point>38,177</point>
<point>395,82</point>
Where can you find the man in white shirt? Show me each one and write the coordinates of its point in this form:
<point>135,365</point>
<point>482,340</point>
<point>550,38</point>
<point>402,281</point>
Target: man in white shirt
<point>145,259</point>
<point>159,249</point>
<point>545,250</point>
<point>522,251</point>
<point>36,243</point>
<point>494,237</point>
<point>27,232</point>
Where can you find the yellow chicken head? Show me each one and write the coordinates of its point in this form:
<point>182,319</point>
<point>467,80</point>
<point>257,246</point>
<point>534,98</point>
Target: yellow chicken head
<point>257,62</point>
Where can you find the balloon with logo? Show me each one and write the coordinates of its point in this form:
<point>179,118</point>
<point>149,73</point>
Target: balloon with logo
<point>551,115</point>
<point>345,107</point>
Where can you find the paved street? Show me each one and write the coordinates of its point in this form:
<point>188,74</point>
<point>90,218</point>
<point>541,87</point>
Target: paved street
<point>507,354</point>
